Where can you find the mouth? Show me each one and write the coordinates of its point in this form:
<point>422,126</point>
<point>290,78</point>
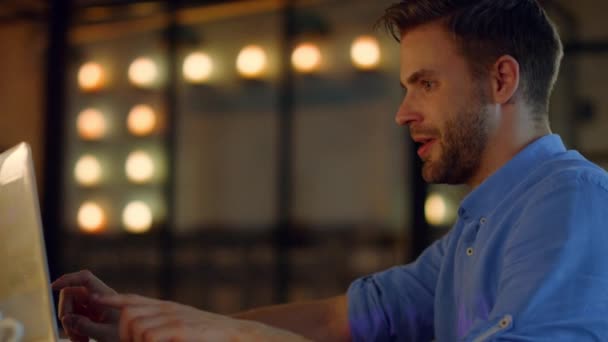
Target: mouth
<point>425,146</point>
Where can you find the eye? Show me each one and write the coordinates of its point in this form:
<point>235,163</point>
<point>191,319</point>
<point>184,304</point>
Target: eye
<point>427,85</point>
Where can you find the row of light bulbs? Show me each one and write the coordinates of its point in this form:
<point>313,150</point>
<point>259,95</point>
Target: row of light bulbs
<point>92,124</point>
<point>139,169</point>
<point>136,217</point>
<point>251,63</point>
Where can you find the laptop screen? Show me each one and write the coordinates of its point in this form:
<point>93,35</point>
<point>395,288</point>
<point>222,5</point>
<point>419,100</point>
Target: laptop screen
<point>25,293</point>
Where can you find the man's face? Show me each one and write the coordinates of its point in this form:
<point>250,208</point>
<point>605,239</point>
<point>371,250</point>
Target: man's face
<point>444,106</point>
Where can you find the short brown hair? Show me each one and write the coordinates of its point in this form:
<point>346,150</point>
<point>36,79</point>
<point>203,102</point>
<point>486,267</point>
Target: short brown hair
<point>488,29</point>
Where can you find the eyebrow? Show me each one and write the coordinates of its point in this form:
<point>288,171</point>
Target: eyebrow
<point>415,77</point>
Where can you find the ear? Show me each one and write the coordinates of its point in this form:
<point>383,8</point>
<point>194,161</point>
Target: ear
<point>505,79</point>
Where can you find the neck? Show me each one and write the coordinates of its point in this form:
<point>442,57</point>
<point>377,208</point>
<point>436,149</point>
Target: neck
<point>510,134</point>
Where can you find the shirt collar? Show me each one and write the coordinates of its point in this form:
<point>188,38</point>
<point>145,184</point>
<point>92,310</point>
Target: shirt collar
<point>485,197</point>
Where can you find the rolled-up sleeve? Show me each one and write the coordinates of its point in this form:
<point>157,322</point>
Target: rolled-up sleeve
<point>397,304</point>
<point>554,280</point>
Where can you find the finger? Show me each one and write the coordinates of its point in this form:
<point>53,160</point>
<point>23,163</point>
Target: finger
<point>66,306</point>
<point>81,325</point>
<point>72,335</point>
<point>69,297</point>
<point>82,279</point>
<point>132,314</point>
<point>78,300</point>
<point>120,301</point>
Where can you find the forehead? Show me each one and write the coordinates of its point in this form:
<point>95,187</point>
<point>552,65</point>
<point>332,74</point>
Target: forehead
<point>430,47</point>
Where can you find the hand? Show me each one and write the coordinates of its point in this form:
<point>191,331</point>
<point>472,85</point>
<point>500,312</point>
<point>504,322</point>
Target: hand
<point>145,319</point>
<point>81,317</point>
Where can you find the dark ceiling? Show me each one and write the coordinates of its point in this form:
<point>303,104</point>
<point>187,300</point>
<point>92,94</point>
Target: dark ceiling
<point>11,10</point>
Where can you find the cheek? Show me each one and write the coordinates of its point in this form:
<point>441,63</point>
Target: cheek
<point>442,110</point>
<point>443,123</point>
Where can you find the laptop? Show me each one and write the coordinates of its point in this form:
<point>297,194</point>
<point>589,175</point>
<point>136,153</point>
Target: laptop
<point>25,292</point>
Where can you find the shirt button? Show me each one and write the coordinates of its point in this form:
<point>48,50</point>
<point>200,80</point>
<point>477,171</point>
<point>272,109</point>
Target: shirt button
<point>483,221</point>
<point>460,212</point>
<point>470,251</point>
<point>505,321</point>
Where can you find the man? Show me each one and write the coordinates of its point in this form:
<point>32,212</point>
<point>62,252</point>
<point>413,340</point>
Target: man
<point>526,259</point>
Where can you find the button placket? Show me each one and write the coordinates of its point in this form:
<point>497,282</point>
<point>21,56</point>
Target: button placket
<point>473,236</point>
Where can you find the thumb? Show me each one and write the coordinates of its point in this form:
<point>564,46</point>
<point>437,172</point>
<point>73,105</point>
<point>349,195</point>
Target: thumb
<point>83,326</point>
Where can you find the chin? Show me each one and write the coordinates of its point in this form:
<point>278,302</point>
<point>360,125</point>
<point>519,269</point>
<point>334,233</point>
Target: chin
<point>429,173</point>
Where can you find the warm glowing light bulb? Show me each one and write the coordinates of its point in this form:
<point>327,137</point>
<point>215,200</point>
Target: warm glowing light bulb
<point>143,72</point>
<point>306,58</point>
<point>365,53</point>
<point>141,120</point>
<point>87,171</point>
<point>91,217</point>
<point>137,217</point>
<point>251,62</point>
<point>91,76</point>
<point>197,67</point>
<point>91,124</point>
<point>436,210</point>
<point>139,167</point>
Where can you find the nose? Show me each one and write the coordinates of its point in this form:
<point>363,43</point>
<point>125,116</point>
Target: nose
<point>406,115</point>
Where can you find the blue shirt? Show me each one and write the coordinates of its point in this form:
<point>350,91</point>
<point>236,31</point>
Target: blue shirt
<point>527,260</point>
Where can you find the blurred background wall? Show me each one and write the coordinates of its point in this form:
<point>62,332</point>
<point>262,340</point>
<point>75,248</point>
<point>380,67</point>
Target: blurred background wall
<point>284,185</point>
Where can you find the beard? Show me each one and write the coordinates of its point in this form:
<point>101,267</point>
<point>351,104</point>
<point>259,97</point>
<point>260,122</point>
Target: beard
<point>461,146</point>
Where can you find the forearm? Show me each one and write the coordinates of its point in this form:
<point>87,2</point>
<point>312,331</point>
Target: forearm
<point>322,320</point>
